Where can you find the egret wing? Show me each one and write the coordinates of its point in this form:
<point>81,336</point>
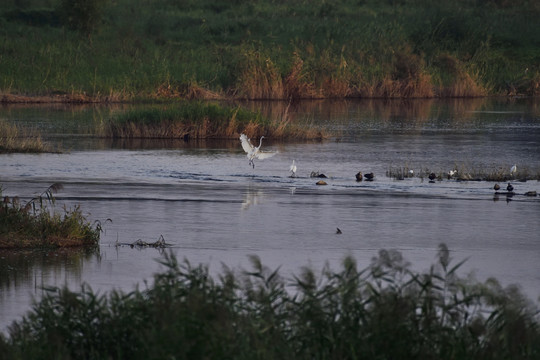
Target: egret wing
<point>265,154</point>
<point>246,144</point>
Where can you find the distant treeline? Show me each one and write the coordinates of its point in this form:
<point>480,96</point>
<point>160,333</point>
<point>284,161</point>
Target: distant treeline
<point>104,50</point>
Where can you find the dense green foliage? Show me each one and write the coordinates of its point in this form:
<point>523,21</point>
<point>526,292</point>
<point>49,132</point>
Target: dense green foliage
<point>35,225</point>
<point>386,311</point>
<point>270,48</point>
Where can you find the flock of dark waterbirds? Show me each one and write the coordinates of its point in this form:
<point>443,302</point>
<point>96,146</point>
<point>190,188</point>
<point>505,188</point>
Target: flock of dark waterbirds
<point>254,152</point>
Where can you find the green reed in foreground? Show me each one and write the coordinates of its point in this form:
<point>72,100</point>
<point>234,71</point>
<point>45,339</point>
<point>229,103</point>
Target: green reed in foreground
<point>34,225</point>
<point>386,311</point>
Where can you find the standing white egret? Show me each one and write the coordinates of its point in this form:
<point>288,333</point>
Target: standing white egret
<point>293,169</point>
<point>513,170</point>
<point>254,152</point>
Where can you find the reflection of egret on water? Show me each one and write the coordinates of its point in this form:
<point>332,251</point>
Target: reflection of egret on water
<point>252,197</point>
<point>254,152</point>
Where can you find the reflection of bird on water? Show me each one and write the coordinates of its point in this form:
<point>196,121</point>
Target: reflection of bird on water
<point>496,187</point>
<point>254,152</point>
<point>369,176</point>
<point>252,197</point>
<point>293,169</point>
<point>359,176</point>
<point>510,188</point>
<point>513,170</point>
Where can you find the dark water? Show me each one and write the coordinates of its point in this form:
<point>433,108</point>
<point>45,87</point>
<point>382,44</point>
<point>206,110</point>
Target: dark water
<point>205,200</point>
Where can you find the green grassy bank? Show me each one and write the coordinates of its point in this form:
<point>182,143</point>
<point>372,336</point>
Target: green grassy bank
<point>386,311</point>
<point>35,225</point>
<point>105,50</point>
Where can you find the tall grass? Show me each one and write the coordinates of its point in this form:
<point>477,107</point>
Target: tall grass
<point>271,49</point>
<point>385,311</point>
<point>15,139</point>
<point>35,225</point>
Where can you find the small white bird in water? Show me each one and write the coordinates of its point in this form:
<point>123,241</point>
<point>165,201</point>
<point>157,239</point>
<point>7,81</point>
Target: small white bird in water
<point>293,169</point>
<point>254,152</point>
<point>513,170</point>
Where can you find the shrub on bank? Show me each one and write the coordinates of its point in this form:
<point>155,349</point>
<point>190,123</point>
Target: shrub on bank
<point>34,225</point>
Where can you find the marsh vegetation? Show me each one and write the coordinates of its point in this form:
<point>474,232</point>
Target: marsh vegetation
<point>267,49</point>
<point>14,139</point>
<point>464,172</point>
<point>200,120</point>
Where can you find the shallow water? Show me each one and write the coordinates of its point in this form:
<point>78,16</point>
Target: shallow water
<point>213,208</point>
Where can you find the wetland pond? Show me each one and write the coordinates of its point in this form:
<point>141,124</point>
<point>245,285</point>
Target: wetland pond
<point>213,208</point>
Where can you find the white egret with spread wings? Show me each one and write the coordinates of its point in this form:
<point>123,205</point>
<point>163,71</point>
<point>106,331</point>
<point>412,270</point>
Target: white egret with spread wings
<point>254,152</point>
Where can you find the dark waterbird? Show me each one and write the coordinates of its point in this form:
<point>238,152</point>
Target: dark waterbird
<point>317,175</point>
<point>496,187</point>
<point>359,176</point>
<point>369,176</point>
<point>338,231</point>
<point>510,188</point>
<point>432,177</point>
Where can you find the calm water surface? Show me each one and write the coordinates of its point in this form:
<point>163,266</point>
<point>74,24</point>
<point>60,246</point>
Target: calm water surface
<point>213,208</point>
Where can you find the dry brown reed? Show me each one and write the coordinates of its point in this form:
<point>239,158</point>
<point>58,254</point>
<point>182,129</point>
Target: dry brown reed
<point>295,84</point>
<point>462,83</point>
<point>13,139</point>
<point>533,86</point>
<point>189,91</point>
<point>284,126</point>
<point>334,88</point>
<point>260,78</point>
